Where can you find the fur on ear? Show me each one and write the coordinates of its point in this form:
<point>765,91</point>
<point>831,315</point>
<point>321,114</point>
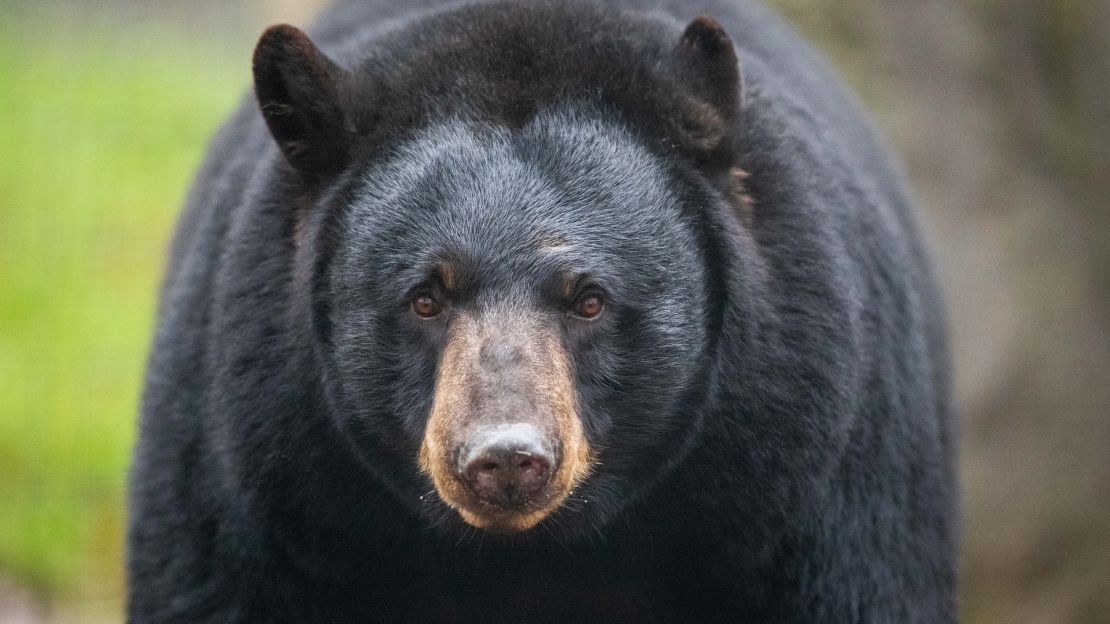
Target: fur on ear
<point>299,92</point>
<point>707,62</point>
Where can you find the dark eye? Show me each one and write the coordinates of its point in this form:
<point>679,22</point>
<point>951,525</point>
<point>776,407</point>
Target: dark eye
<point>589,305</point>
<point>425,305</point>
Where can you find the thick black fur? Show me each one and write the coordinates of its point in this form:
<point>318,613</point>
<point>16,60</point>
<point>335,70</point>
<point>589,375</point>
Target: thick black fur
<point>767,392</point>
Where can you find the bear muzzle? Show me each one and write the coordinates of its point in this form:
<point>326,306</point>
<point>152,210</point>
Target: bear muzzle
<point>504,445</point>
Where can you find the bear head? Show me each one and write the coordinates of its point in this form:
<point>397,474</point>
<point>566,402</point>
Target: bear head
<point>502,239</point>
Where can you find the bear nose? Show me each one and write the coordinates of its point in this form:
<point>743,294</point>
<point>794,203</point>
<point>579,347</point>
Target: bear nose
<point>507,465</point>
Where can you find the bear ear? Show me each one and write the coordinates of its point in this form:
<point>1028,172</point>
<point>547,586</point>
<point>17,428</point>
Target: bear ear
<point>298,90</point>
<point>707,62</point>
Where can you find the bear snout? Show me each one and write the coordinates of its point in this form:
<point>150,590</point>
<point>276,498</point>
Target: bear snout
<point>503,444</point>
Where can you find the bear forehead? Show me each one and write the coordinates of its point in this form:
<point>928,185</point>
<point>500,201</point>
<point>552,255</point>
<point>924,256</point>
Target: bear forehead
<point>569,194</point>
<point>557,180</point>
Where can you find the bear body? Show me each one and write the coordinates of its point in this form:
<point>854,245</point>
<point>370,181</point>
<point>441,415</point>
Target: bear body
<point>699,282</point>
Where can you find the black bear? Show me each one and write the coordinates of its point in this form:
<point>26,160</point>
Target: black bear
<point>545,312</point>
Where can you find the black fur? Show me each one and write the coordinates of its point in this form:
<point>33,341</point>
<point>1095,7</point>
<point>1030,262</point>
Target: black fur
<point>767,392</point>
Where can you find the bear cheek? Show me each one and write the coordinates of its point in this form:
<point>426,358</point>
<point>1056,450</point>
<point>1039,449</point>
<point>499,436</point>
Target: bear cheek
<point>504,445</point>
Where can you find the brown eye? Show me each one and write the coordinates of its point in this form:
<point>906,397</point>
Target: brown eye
<point>589,306</point>
<point>425,306</point>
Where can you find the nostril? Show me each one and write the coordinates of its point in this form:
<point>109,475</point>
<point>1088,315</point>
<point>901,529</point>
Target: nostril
<point>488,467</point>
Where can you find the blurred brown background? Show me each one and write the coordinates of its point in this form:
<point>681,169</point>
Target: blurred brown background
<point>1000,111</point>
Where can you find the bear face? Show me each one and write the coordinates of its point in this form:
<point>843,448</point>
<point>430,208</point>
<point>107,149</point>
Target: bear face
<point>502,287</point>
<point>471,290</point>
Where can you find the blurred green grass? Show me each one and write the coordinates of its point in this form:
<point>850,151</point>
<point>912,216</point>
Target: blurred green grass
<point>102,126</point>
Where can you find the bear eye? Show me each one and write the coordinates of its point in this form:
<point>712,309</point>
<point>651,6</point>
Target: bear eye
<point>425,305</point>
<point>589,305</point>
